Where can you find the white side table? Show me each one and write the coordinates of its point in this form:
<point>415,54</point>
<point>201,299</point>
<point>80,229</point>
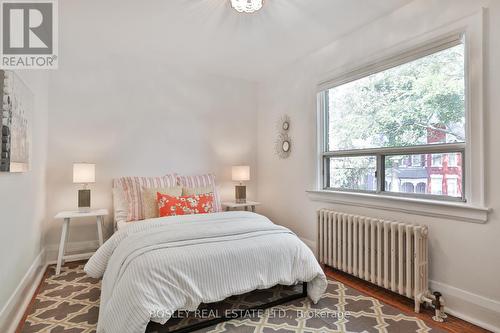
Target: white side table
<point>67,216</point>
<point>231,205</point>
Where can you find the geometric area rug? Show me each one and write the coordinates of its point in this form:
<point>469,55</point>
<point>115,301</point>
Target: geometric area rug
<point>69,303</point>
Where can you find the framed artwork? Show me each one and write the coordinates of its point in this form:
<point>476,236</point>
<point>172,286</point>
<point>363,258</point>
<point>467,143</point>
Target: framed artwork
<point>15,115</point>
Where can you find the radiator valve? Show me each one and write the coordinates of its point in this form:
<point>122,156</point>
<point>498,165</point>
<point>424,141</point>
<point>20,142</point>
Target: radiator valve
<point>438,307</point>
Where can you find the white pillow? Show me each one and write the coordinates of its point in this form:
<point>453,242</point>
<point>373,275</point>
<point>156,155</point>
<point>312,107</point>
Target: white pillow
<point>197,190</point>
<point>120,205</point>
<point>200,181</point>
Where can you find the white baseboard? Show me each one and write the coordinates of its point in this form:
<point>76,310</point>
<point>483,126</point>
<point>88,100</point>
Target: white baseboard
<point>460,303</point>
<point>16,305</point>
<point>474,321</point>
<point>71,248</point>
<point>482,301</point>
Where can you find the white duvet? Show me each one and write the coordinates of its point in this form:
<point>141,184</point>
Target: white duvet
<point>153,268</point>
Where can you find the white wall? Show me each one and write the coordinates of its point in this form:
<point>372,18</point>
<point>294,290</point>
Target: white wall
<point>136,114</point>
<point>465,257</point>
<point>22,199</point>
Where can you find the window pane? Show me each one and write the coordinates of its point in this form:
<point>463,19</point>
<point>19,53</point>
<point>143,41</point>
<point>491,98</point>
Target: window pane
<point>353,173</point>
<point>420,102</point>
<point>452,160</point>
<point>429,177</point>
<point>437,160</point>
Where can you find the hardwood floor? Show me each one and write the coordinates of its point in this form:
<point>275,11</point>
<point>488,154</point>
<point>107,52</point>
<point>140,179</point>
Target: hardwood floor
<point>402,303</point>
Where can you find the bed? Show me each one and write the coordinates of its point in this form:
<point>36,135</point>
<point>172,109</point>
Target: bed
<point>152,268</point>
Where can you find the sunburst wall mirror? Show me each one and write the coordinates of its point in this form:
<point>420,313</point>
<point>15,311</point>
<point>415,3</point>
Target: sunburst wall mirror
<point>283,145</point>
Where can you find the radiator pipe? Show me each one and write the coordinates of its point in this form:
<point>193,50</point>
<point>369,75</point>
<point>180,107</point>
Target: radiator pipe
<point>442,314</point>
<point>435,300</point>
<point>437,306</point>
<point>426,300</point>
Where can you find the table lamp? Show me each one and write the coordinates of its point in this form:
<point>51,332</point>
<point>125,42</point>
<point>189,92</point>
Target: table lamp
<point>83,173</point>
<point>240,174</point>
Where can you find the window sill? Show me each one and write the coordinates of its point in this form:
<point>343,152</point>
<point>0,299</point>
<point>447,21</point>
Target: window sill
<point>433,208</point>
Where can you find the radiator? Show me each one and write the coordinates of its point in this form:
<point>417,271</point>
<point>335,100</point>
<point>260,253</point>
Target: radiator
<point>390,254</point>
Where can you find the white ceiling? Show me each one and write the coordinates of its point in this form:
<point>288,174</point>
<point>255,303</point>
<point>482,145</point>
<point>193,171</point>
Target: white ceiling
<point>208,34</point>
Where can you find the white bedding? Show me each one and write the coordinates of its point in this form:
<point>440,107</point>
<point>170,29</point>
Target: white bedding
<point>120,224</point>
<point>175,263</point>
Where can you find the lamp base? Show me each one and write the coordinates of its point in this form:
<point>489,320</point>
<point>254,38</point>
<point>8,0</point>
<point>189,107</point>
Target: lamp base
<point>84,201</point>
<point>240,192</point>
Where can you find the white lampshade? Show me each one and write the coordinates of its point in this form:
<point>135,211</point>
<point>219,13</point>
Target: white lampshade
<point>83,173</point>
<point>241,173</point>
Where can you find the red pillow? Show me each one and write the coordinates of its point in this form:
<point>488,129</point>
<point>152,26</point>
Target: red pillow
<point>184,205</point>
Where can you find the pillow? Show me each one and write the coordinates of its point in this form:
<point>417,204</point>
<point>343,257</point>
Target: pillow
<point>197,190</point>
<point>207,180</point>
<point>120,206</point>
<point>184,205</point>
<point>132,187</point>
<point>149,201</point>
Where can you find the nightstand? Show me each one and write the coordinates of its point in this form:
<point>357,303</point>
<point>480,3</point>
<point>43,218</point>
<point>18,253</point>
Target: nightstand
<point>231,205</point>
<point>67,216</point>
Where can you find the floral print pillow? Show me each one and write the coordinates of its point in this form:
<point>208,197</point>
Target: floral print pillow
<point>184,205</point>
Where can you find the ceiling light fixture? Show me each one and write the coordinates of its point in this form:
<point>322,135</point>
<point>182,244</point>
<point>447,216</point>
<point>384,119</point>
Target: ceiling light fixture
<point>246,6</point>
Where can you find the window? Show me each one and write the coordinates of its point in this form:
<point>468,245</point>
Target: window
<point>408,188</point>
<point>452,186</point>
<point>353,173</point>
<point>415,179</point>
<point>437,185</point>
<point>452,160</point>
<point>398,128</point>
<point>437,160</point>
<point>421,187</point>
<point>416,160</point>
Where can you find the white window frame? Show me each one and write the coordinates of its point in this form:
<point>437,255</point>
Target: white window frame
<point>382,152</point>
<point>473,210</point>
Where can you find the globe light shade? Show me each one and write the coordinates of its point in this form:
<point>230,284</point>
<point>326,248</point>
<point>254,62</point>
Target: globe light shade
<point>246,6</point>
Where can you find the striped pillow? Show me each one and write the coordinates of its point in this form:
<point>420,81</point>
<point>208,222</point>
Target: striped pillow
<point>202,181</point>
<point>132,187</point>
